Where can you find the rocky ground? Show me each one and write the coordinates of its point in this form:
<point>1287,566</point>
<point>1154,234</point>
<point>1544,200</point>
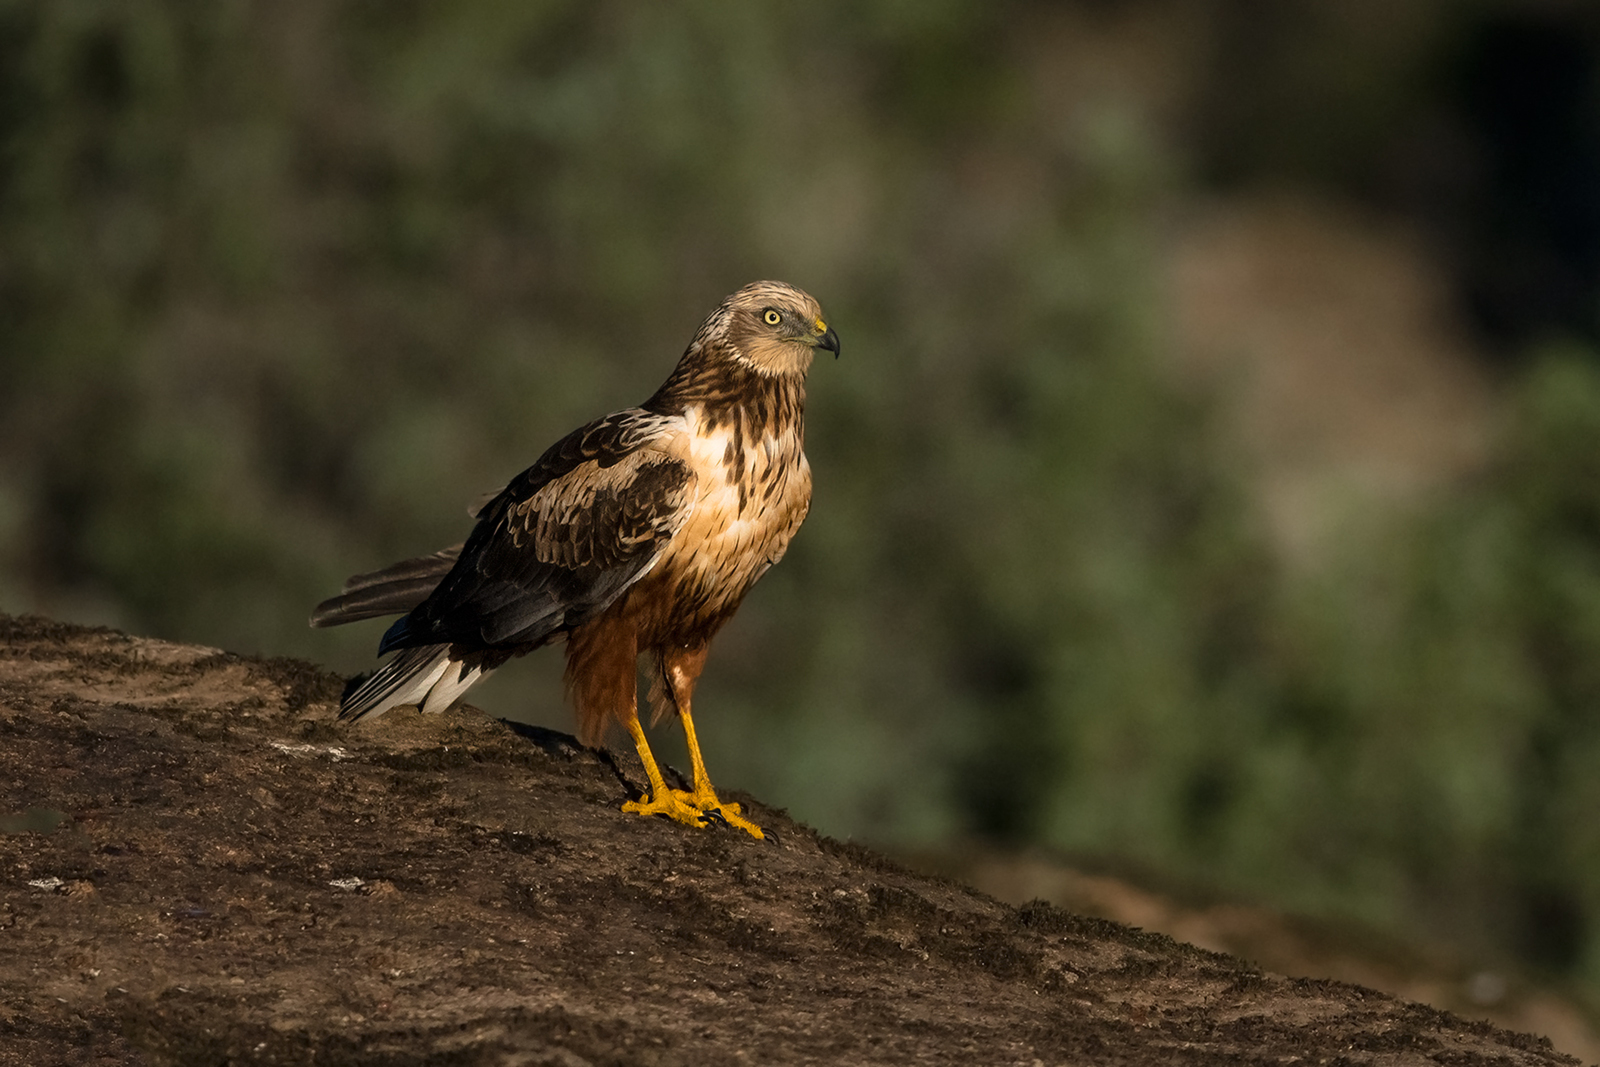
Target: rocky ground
<point>198,866</point>
<point>1424,970</point>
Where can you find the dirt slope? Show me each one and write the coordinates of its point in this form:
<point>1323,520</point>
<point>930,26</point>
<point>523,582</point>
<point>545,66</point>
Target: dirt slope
<point>198,867</point>
<point>1433,973</point>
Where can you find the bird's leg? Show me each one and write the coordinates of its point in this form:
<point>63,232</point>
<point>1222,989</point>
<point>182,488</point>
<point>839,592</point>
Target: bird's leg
<point>703,796</point>
<point>662,800</point>
<point>603,678</point>
<point>679,671</point>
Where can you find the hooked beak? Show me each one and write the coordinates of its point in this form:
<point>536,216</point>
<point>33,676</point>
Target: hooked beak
<point>830,341</point>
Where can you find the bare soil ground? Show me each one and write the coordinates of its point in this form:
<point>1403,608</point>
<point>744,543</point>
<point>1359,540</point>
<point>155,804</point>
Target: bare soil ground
<point>197,866</point>
<point>1417,969</point>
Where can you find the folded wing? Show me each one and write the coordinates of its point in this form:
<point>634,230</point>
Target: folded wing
<point>562,542</point>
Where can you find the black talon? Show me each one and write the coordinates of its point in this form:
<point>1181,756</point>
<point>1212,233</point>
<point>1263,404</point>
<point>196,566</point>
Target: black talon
<point>768,835</point>
<point>714,814</point>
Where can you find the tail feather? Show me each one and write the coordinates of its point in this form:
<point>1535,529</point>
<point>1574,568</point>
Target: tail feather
<point>456,680</point>
<point>394,590</point>
<point>409,678</point>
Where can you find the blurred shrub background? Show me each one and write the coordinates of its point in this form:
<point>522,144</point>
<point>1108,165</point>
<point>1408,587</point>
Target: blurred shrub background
<point>1211,482</point>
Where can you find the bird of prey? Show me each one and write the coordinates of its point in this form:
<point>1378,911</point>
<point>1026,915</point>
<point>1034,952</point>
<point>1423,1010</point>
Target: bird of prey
<point>636,534</point>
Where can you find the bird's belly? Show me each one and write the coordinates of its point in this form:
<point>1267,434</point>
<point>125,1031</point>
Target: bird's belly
<point>731,539</point>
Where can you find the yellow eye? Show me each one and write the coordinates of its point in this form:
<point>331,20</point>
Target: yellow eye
<point>772,318</point>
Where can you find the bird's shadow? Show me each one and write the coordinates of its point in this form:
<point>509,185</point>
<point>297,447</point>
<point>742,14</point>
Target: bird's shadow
<point>564,746</point>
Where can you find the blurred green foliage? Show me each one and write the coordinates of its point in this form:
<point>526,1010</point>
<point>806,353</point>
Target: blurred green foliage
<point>1442,701</point>
<point>284,287</point>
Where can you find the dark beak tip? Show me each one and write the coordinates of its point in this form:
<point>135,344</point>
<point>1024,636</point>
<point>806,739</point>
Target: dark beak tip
<point>830,341</point>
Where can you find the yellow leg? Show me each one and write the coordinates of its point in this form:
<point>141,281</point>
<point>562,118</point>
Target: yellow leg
<point>703,796</point>
<point>662,800</point>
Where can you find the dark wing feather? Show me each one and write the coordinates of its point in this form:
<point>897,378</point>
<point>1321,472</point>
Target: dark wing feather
<point>396,588</point>
<point>562,542</point>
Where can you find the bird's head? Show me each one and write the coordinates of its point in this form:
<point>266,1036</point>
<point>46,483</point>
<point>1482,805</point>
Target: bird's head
<point>774,328</point>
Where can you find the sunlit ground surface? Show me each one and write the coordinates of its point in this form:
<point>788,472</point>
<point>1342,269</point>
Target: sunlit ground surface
<point>1287,944</point>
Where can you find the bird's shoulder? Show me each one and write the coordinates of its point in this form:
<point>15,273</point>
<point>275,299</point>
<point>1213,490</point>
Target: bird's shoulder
<point>630,434</point>
<point>610,449</point>
<point>605,492</point>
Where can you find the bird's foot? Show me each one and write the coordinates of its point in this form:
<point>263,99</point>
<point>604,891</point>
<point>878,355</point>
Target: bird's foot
<point>668,802</point>
<point>730,814</point>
